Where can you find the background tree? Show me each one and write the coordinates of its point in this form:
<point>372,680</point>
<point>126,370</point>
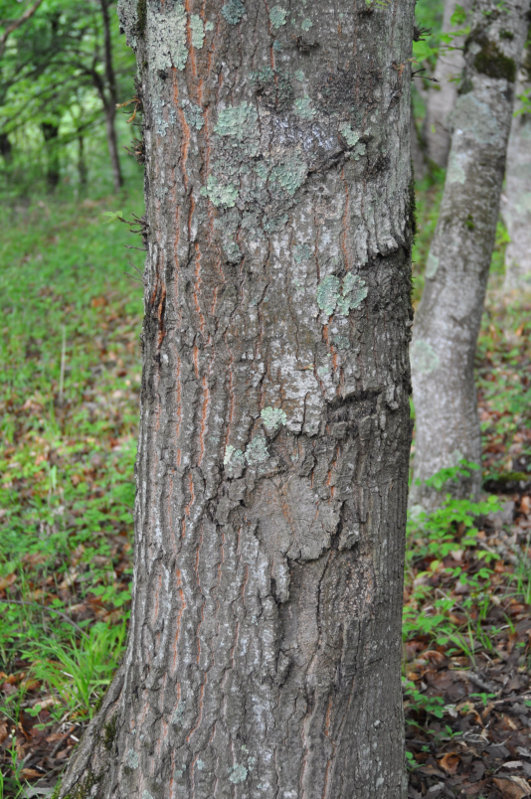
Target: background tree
<point>516,199</point>
<point>448,317</point>
<point>59,70</point>
<point>264,649</point>
<point>442,91</point>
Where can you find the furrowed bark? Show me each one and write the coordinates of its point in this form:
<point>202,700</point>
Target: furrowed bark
<point>264,651</point>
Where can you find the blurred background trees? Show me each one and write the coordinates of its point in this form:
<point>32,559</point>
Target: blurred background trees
<point>63,71</point>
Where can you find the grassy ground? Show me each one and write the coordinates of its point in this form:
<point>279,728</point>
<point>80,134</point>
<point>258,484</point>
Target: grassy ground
<point>68,408</point>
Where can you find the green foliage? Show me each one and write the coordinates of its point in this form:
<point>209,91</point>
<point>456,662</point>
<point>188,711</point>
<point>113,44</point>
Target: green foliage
<point>53,74</point>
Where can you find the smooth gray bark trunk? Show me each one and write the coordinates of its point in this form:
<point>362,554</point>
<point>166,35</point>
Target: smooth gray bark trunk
<point>516,199</point>
<point>442,93</point>
<point>448,318</point>
<point>264,652</point>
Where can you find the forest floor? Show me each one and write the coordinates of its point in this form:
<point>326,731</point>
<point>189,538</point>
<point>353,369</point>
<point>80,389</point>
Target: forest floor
<point>68,418</point>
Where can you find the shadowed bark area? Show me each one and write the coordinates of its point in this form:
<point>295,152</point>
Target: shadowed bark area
<point>264,649</point>
<point>448,318</point>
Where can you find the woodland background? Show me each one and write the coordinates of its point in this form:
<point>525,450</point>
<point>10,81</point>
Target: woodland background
<point>71,302</point>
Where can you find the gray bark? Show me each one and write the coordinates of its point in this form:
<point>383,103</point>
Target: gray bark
<point>443,91</point>
<point>516,200</point>
<point>448,318</point>
<point>263,659</point>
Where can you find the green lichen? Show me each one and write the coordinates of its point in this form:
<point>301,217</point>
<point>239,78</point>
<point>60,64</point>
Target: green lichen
<point>232,454</point>
<point>209,26</point>
<point>200,765</point>
<point>277,16</point>
<point>299,74</point>
<point>273,418</point>
<point>341,342</point>
<point>197,29</point>
<point>354,292</point>
<point>423,357</point>
<point>235,121</point>
<point>176,29</point>
<point>352,138</point>
<point>178,714</point>
<point>332,295</point>
<point>146,795</point>
<point>328,294</point>
<point>432,264</point>
<point>306,24</point>
<point>257,451</point>
<point>233,11</point>
<point>222,195</point>
<point>289,175</point>
<point>237,774</point>
<point>304,108</point>
<point>492,62</point>
<point>301,253</point>
<point>193,115</point>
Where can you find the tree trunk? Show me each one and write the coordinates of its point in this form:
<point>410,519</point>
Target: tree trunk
<point>516,204</point>
<point>50,132</point>
<point>448,318</point>
<point>82,170</point>
<point>443,91</point>
<point>263,659</point>
<point>6,148</point>
<point>110,105</point>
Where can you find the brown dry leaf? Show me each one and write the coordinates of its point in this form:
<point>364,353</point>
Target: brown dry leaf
<point>34,558</point>
<point>4,731</point>
<point>449,762</point>
<point>30,773</point>
<point>512,787</point>
<point>5,582</point>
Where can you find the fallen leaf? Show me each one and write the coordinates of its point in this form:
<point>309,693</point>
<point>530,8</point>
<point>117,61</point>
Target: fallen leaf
<point>512,787</point>
<point>30,773</point>
<point>449,762</point>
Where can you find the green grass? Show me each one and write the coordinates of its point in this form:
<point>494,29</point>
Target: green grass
<point>70,361</point>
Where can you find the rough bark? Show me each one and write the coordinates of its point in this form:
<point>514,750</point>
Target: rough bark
<point>516,199</point>
<point>443,90</point>
<point>448,318</point>
<point>263,659</point>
